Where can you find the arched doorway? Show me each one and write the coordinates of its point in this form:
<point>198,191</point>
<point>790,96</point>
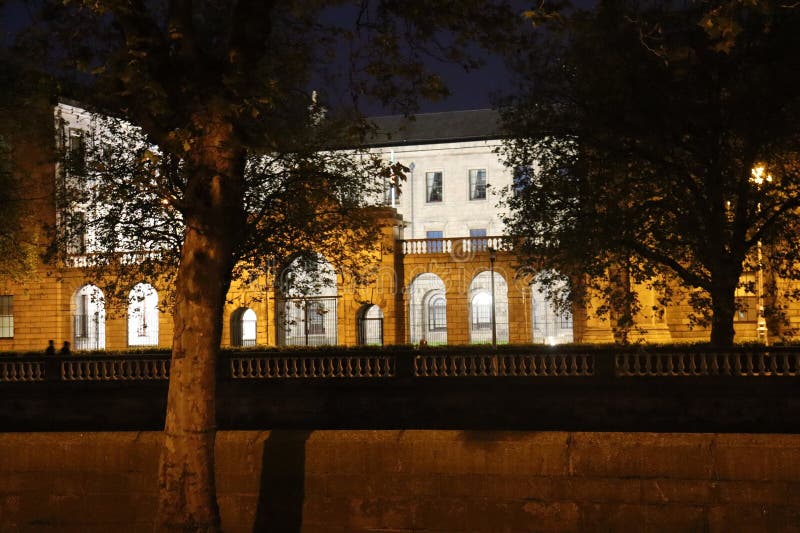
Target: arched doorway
<point>243,327</point>
<point>307,305</point>
<point>427,316</point>
<point>551,324</point>
<point>88,318</point>
<point>143,315</point>
<point>480,308</point>
<point>370,325</point>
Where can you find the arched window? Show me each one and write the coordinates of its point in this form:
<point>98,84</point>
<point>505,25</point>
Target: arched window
<point>306,308</point>
<point>88,319</point>
<point>370,325</point>
<point>143,315</point>
<point>481,311</point>
<point>243,327</point>
<point>481,306</point>
<point>551,325</point>
<point>427,309</point>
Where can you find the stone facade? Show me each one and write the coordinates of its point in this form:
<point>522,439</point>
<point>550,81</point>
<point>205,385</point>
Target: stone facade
<point>402,481</point>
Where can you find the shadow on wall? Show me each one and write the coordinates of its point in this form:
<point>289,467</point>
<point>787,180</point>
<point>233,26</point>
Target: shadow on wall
<point>280,495</point>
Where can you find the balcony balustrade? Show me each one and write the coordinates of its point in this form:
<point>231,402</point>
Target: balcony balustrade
<point>458,246</point>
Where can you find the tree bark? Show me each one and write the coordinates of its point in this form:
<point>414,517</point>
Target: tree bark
<point>187,490</point>
<point>723,306</point>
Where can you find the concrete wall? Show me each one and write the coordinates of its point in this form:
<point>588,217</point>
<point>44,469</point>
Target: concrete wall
<point>402,481</point>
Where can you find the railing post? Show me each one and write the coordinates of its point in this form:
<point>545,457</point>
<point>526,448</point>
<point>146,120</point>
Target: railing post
<point>52,368</point>
<point>404,364</point>
<point>605,362</point>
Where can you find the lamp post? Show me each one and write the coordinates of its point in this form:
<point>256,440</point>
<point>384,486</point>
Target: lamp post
<point>492,258</point>
<point>759,177</point>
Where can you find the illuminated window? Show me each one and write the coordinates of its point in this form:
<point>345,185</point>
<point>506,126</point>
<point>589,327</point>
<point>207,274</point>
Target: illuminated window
<point>477,184</point>
<point>433,181</point>
<point>6,316</point>
<point>143,315</point>
<point>437,314</point>
<point>315,318</point>
<point>481,311</point>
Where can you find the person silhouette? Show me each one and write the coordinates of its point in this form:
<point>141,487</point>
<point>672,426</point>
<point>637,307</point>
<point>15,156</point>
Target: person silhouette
<point>64,349</point>
<point>51,348</point>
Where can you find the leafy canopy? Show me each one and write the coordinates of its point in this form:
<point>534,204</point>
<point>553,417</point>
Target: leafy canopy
<point>641,124</point>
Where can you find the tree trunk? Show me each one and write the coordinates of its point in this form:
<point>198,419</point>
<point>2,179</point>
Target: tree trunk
<point>723,305</point>
<point>187,491</point>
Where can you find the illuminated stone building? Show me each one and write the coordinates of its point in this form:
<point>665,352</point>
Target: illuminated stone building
<point>434,283</point>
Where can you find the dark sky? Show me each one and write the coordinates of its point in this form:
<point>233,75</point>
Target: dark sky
<point>469,90</point>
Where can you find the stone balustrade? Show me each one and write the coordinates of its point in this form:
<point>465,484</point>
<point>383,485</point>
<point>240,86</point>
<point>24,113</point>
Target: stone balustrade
<point>461,246</point>
<point>255,367</point>
<point>775,363</point>
<point>450,362</point>
<point>21,371</point>
<point>511,365</point>
<point>115,369</point>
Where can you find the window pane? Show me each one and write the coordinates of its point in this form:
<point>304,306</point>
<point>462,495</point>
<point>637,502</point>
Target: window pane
<point>434,186</point>
<point>477,184</point>
<point>435,246</point>
<point>478,244</point>
<point>482,311</point>
<point>6,316</point>
<point>76,154</point>
<point>437,314</point>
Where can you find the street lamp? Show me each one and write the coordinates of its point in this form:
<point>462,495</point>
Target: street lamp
<point>492,258</point>
<point>759,176</point>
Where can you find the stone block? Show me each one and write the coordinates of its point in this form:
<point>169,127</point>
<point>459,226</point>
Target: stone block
<point>664,491</point>
<point>596,490</point>
<point>756,492</point>
<point>757,459</point>
<point>742,518</point>
<point>644,518</point>
<point>640,455</point>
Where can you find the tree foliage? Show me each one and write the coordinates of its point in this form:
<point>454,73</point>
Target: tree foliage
<point>230,149</point>
<point>642,123</point>
<point>24,112</point>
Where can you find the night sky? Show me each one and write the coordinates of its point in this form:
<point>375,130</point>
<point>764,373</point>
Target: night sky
<point>468,90</point>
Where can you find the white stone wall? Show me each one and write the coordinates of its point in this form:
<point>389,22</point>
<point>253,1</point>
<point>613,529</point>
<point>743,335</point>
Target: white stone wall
<point>456,214</point>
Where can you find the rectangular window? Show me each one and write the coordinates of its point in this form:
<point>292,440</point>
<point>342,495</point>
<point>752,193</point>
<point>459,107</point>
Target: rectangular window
<point>522,178</point>
<point>76,230</point>
<point>433,181</point>
<point>481,316</point>
<point>477,240</point>
<point>315,318</point>
<point>6,316</point>
<point>746,309</point>
<point>437,314</point>
<point>746,299</point>
<point>435,242</point>
<point>477,184</point>
<point>76,153</point>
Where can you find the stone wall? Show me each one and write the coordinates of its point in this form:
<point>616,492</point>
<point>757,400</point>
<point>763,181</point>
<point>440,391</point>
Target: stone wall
<point>402,481</point>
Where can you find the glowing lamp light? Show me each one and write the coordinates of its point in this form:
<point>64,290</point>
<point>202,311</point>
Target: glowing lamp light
<point>758,175</point>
